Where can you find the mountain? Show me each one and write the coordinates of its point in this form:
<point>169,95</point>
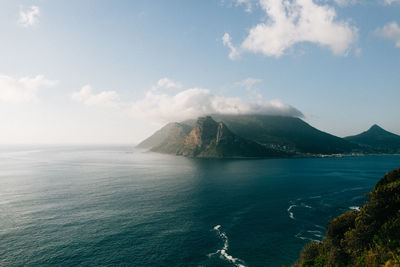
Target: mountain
<point>246,134</point>
<point>168,138</point>
<point>211,139</point>
<point>369,237</point>
<point>377,139</point>
<point>287,133</point>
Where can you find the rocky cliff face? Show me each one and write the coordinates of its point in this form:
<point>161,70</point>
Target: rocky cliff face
<point>211,139</point>
<point>202,136</point>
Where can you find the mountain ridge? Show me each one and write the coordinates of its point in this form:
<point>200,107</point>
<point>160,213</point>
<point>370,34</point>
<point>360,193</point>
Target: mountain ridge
<point>280,135</point>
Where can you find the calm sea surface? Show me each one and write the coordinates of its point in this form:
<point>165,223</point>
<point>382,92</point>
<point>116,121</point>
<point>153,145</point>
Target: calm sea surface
<point>95,206</point>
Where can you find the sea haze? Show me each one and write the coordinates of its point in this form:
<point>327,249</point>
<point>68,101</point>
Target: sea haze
<point>114,205</point>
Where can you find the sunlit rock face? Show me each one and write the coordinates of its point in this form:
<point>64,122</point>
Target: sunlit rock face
<point>211,139</point>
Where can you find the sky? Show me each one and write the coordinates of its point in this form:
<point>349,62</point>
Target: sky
<point>93,72</point>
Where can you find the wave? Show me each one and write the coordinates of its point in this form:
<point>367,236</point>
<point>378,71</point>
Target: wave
<point>223,252</point>
<point>300,235</point>
<point>302,205</point>
<point>291,215</point>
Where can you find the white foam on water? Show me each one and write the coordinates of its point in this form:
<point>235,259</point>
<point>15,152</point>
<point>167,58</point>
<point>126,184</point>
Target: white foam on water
<point>314,231</point>
<point>356,208</point>
<point>314,197</point>
<point>300,236</point>
<point>306,206</point>
<point>217,227</point>
<point>291,215</point>
<point>223,252</point>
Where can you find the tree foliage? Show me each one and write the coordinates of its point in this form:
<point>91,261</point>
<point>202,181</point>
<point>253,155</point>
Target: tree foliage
<point>369,237</point>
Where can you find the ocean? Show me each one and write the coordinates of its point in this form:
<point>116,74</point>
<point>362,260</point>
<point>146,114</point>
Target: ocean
<point>118,206</point>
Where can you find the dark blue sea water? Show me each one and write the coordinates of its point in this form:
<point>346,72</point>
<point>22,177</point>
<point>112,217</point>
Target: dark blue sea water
<point>95,206</point>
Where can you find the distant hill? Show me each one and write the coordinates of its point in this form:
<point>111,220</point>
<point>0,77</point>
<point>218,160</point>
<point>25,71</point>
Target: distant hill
<point>211,139</point>
<point>369,237</point>
<point>377,139</point>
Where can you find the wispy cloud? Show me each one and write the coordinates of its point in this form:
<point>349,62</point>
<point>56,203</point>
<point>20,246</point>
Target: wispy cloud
<point>246,3</point>
<point>28,16</point>
<point>166,83</point>
<point>344,3</point>
<point>249,84</point>
<point>23,90</point>
<point>390,31</point>
<point>227,41</point>
<point>291,22</point>
<point>390,2</point>
<point>107,99</point>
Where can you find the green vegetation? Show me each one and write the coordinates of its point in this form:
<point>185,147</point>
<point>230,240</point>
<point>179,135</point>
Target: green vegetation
<point>369,237</point>
<point>168,138</point>
<point>292,133</point>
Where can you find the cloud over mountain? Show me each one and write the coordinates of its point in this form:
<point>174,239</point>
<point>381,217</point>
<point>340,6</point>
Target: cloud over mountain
<point>159,106</point>
<point>195,102</point>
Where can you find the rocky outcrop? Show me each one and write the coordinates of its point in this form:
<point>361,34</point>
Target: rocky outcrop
<point>211,139</point>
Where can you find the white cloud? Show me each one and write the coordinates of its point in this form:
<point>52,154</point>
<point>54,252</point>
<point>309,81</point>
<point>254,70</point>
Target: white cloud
<point>166,83</point>
<point>390,31</point>
<point>291,22</point>
<point>246,3</point>
<point>24,89</point>
<point>29,16</point>
<point>227,41</point>
<point>195,102</point>
<point>107,99</point>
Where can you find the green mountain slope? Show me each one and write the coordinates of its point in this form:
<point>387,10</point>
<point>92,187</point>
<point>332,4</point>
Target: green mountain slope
<point>377,139</point>
<point>168,136</point>
<point>293,133</point>
<point>370,237</point>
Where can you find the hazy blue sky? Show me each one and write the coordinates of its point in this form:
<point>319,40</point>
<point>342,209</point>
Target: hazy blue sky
<point>114,71</point>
